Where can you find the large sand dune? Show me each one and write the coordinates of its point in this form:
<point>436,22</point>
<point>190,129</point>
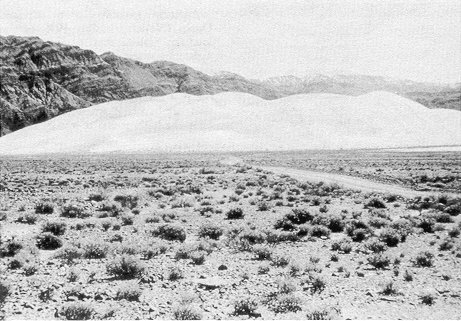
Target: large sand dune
<point>236,121</point>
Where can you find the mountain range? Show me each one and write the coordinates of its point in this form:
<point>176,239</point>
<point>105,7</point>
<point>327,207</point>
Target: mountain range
<point>40,80</point>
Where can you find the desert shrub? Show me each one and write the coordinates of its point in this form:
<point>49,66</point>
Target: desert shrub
<point>403,226</point>
<point>73,275</point>
<point>243,238</point>
<point>125,267</point>
<point>426,223</point>
<point>391,237</point>
<point>264,268</point>
<point>170,232</point>
<point>442,218</point>
<point>446,245</point>
<point>454,232</point>
<point>69,254</point>
<point>11,248</point>
<point>264,206</point>
<point>358,235</point>
<point>95,249</point>
<point>286,285</point>
<point>378,261</point>
<point>186,312</point>
<point>319,231</point>
<point>129,201</point>
<point>74,211</point>
<point>127,219</point>
<point>375,245</point>
<point>48,241</point>
<point>262,252</point>
<point>285,303</point>
<point>427,298</point>
<point>280,260</point>
<point>318,284</point>
<point>129,291</point>
<point>375,203</point>
<point>389,289</point>
<point>5,290</point>
<point>30,268</point>
<point>27,218</point>
<point>390,198</point>
<point>378,222</point>
<point>234,214</point>
<point>198,257</point>
<point>78,311</point>
<point>343,245</point>
<point>408,276</point>
<point>357,230</point>
<point>44,208</point>
<point>112,208</point>
<point>175,273</point>
<point>245,306</point>
<point>56,228</point>
<point>97,197</point>
<point>323,313</point>
<point>424,259</point>
<point>154,249</point>
<point>211,231</point>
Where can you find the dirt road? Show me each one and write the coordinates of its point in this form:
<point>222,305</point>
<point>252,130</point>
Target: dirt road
<point>349,182</point>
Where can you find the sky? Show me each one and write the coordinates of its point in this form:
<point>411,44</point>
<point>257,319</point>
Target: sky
<point>418,40</point>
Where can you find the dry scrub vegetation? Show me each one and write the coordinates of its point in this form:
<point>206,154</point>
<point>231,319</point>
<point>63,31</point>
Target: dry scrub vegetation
<point>186,237</point>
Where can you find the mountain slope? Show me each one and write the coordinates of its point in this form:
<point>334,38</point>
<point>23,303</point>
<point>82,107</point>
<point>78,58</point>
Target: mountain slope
<point>40,80</point>
<point>236,121</point>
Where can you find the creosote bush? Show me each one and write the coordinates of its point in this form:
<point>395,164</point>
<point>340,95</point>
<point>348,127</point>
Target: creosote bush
<point>44,208</point>
<point>74,211</point>
<point>210,230</point>
<point>125,267</point>
<point>424,259</point>
<point>78,311</point>
<point>48,241</point>
<point>235,213</point>
<point>129,291</point>
<point>245,306</point>
<point>170,232</point>
<point>187,312</point>
<point>56,228</point>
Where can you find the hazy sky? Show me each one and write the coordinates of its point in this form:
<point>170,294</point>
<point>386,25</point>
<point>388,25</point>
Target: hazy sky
<point>419,40</point>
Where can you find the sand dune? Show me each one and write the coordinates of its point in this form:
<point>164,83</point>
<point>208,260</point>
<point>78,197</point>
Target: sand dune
<point>237,121</point>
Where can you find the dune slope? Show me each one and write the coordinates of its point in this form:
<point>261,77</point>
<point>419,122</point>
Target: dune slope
<point>237,121</point>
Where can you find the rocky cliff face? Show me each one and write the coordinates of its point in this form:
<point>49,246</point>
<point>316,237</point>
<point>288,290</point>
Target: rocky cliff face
<point>40,80</point>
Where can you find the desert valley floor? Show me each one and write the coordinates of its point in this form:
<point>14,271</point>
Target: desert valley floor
<point>220,236</point>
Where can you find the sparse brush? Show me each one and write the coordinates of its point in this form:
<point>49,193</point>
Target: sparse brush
<point>285,303</point>
<point>211,231</point>
<point>74,211</point>
<point>235,213</point>
<point>378,261</point>
<point>125,267</point>
<point>78,311</point>
<point>389,289</point>
<point>95,249</point>
<point>245,306</point>
<point>262,252</point>
<point>170,232</point>
<point>129,291</point>
<point>48,241</point>
<point>56,228</point>
<point>44,208</point>
<point>69,254</point>
<point>424,259</point>
<point>286,285</point>
<point>187,312</point>
<point>175,273</point>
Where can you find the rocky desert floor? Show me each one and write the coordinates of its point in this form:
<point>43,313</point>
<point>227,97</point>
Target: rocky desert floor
<point>195,237</point>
